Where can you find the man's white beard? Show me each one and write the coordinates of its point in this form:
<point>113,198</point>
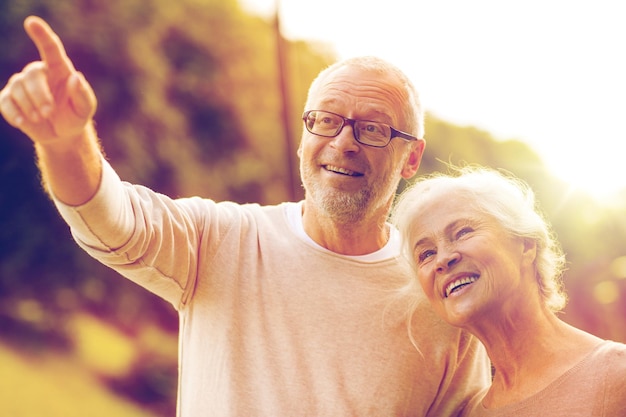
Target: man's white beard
<point>346,207</point>
<point>343,207</point>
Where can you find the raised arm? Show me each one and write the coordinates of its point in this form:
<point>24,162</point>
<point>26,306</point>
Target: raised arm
<point>53,104</point>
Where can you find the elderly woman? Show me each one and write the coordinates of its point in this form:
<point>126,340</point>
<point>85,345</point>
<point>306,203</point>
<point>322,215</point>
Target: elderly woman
<point>488,263</point>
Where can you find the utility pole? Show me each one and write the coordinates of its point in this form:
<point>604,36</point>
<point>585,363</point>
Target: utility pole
<point>293,184</point>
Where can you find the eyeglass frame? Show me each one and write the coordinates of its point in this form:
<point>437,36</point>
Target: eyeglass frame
<point>394,133</point>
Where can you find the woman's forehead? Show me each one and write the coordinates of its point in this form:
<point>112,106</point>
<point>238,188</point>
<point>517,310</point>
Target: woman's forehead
<point>438,205</point>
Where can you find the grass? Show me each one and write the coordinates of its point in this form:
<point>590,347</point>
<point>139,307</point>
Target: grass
<point>71,384</point>
<point>54,386</point>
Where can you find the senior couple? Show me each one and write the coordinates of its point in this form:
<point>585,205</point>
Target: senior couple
<point>324,307</point>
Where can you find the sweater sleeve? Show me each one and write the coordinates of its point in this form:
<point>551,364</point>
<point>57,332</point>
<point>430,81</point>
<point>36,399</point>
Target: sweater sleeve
<point>615,387</point>
<point>145,236</point>
<point>468,373</point>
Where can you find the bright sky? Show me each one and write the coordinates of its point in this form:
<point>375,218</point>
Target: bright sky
<point>551,73</point>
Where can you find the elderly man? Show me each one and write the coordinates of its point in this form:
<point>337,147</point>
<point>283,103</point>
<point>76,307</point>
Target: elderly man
<point>285,310</point>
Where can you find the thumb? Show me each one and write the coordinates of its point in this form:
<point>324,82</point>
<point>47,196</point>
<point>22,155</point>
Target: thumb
<point>81,96</point>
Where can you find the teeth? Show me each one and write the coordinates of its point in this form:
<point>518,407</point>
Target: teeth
<point>459,282</point>
<point>340,170</point>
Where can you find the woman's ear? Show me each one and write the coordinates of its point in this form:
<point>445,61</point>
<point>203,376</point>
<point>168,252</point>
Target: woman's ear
<point>529,251</point>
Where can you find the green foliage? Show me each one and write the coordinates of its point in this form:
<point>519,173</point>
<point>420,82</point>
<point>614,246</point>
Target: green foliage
<point>190,104</point>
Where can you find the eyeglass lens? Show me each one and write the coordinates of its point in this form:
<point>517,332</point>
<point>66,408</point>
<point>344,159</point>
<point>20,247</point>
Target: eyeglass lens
<point>329,124</point>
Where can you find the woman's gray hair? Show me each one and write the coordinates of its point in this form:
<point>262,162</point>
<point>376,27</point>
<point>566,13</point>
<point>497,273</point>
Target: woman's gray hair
<point>413,113</point>
<point>508,200</point>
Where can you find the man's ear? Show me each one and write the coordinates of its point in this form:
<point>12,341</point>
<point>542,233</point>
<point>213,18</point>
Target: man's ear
<point>299,151</point>
<point>412,163</point>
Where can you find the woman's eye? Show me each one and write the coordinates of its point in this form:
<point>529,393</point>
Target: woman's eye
<point>464,231</point>
<point>424,255</point>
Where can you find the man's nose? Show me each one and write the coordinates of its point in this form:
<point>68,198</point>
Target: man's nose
<point>346,139</point>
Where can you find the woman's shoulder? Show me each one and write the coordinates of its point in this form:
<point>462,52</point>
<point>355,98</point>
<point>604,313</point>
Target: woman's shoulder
<point>611,349</point>
<point>611,356</point>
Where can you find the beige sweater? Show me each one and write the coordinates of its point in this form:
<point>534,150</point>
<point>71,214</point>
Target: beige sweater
<point>596,387</point>
<point>271,325</point>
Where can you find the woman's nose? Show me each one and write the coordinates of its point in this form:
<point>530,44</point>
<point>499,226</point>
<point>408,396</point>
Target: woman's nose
<point>447,259</point>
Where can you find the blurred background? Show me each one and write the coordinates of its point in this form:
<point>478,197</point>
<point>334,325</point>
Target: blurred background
<point>204,97</point>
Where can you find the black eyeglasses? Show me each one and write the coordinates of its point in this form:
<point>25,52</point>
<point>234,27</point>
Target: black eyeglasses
<point>367,132</point>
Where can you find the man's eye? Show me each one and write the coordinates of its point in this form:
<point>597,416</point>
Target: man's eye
<point>374,128</point>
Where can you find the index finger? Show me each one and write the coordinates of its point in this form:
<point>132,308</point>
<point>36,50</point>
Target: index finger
<point>49,45</point>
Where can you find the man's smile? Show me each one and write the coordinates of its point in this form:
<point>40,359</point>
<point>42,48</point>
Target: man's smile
<point>343,171</point>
